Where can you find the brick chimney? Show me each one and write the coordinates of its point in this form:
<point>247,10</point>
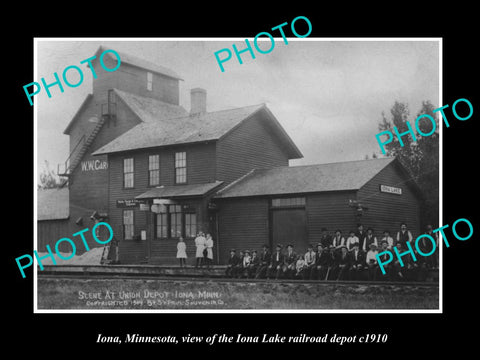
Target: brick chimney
<point>198,101</point>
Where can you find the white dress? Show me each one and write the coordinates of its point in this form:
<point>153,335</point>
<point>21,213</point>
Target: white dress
<point>209,245</point>
<point>200,244</point>
<point>181,250</point>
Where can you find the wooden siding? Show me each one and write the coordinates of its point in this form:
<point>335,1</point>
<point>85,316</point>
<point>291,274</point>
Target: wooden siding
<point>387,211</point>
<point>242,224</point>
<point>329,210</point>
<point>49,231</point>
<point>134,80</point>
<point>251,145</point>
<point>200,169</point>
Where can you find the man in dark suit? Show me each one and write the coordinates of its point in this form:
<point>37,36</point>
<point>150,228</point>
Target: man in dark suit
<point>342,263</point>
<point>233,261</point>
<point>325,239</point>
<point>357,260</point>
<point>289,261</point>
<point>276,263</point>
<point>324,262</point>
<point>361,235</point>
<point>265,257</point>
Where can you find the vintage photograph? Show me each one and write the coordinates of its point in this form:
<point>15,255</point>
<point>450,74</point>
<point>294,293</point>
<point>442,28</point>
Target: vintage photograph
<point>164,184</point>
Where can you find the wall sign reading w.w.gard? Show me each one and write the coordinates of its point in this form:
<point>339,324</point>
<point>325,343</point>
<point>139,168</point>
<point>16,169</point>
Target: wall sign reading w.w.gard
<point>390,189</point>
<point>93,165</point>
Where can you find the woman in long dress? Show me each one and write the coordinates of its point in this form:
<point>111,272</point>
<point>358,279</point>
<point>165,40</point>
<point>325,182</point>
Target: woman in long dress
<point>200,244</point>
<point>182,252</point>
<point>209,246</point>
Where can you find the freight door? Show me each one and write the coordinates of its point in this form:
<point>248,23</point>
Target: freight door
<point>289,226</point>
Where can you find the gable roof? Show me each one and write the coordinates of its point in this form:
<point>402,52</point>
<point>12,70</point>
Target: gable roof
<point>52,204</point>
<point>135,61</point>
<point>349,175</point>
<point>190,129</point>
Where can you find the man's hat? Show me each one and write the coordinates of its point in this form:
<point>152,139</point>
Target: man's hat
<point>246,251</point>
<point>279,246</point>
<point>232,250</point>
<point>386,231</point>
<point>319,244</point>
<point>383,241</point>
<point>290,245</point>
<point>342,246</point>
<point>254,251</point>
<point>338,230</point>
<point>370,228</point>
<point>372,245</point>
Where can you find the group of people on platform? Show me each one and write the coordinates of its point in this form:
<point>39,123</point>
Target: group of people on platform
<point>203,252</point>
<point>338,258</point>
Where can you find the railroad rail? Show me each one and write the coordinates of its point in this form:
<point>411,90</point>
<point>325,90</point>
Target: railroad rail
<point>169,274</point>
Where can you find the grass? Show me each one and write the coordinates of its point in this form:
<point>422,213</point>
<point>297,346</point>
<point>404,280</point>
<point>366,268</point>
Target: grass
<point>72,294</point>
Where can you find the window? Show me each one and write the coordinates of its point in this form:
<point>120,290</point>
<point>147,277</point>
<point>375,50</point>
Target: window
<point>162,224</point>
<point>173,221</point>
<point>128,225</point>
<point>128,173</point>
<point>149,81</point>
<point>289,202</point>
<point>180,167</point>
<point>190,225</point>
<point>153,170</point>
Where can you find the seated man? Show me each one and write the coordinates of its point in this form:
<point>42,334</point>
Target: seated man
<point>342,264</point>
<point>232,264</point>
<point>357,260</point>
<point>264,262</point>
<point>288,269</point>
<point>238,269</point>
<point>253,266</point>
<point>310,258</point>
<point>276,263</point>
<point>324,262</point>
<point>371,262</point>
<point>387,266</point>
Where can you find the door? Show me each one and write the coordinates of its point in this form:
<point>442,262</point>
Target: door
<point>289,226</point>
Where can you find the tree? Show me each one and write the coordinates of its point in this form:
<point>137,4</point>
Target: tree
<point>48,179</point>
<point>420,157</point>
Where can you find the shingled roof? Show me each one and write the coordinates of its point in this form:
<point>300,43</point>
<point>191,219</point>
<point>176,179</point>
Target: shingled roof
<point>150,110</point>
<point>52,204</point>
<point>349,175</point>
<point>189,129</point>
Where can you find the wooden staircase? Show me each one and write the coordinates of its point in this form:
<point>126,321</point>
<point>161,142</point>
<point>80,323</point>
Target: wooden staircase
<point>78,152</point>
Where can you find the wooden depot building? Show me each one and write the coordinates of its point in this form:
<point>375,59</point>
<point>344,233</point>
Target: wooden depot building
<point>155,172</point>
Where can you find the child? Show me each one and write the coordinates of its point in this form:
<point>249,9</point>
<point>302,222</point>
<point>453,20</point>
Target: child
<point>209,247</point>
<point>200,245</point>
<point>182,252</point>
<point>299,266</point>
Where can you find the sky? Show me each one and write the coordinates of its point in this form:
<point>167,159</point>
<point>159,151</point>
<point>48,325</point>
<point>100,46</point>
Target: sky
<point>328,94</point>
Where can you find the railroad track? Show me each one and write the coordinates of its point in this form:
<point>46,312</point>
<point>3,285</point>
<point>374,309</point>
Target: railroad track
<point>204,279</point>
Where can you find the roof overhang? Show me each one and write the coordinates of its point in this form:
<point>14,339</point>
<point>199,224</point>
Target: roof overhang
<point>179,191</point>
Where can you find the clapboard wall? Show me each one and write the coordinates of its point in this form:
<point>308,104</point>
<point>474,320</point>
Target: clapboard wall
<point>251,145</point>
<point>387,211</point>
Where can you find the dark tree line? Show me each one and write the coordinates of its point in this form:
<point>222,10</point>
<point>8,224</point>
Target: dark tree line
<point>420,157</point>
